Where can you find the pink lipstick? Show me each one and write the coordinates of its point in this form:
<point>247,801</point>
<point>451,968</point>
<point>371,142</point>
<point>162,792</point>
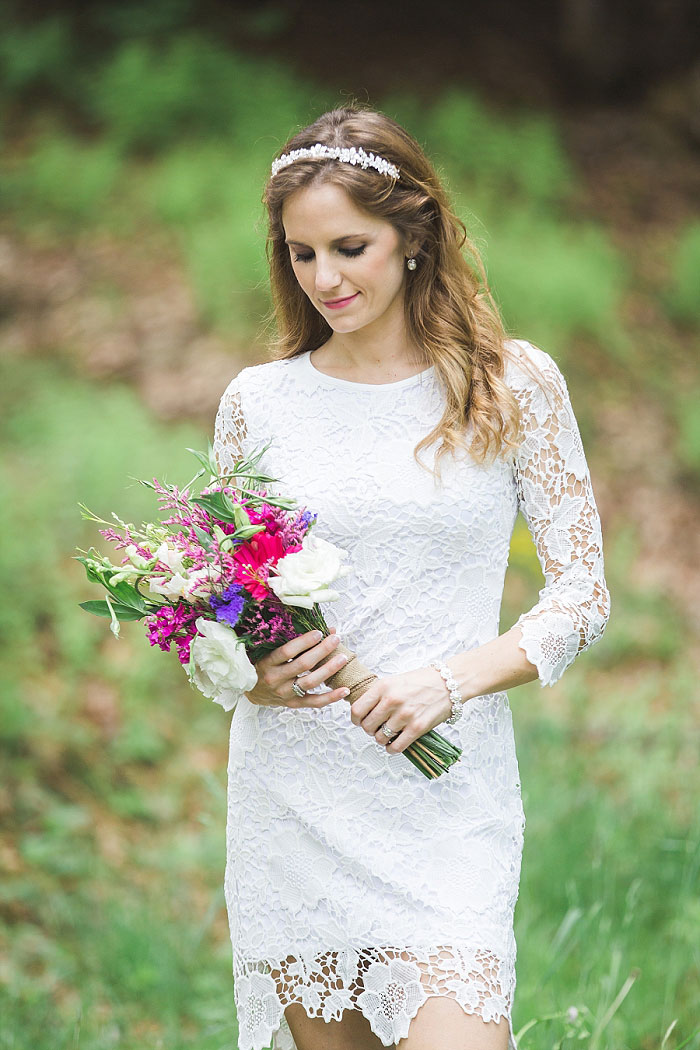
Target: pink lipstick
<point>336,304</point>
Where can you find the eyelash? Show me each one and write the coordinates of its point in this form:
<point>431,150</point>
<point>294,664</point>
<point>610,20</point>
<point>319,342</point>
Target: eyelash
<point>351,253</point>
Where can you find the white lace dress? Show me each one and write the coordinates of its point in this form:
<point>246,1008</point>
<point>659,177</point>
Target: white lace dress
<point>352,882</point>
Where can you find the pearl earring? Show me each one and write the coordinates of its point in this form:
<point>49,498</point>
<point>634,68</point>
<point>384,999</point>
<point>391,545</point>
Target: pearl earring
<point>411,263</point>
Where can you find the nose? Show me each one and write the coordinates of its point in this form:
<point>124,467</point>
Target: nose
<point>327,276</point>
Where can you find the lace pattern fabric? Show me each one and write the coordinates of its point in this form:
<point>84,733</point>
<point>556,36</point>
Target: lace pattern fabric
<point>556,499</point>
<point>351,882</point>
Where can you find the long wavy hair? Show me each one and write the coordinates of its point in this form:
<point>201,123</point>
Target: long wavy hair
<point>449,309</point>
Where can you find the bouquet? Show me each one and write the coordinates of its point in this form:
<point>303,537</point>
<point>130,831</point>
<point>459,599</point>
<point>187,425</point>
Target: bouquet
<point>225,577</point>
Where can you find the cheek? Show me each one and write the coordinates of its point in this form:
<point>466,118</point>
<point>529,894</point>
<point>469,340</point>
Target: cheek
<point>301,273</point>
<point>386,275</point>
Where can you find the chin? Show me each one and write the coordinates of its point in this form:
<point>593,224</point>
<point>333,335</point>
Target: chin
<point>346,326</point>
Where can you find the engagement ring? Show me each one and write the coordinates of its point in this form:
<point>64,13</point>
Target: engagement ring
<point>296,688</point>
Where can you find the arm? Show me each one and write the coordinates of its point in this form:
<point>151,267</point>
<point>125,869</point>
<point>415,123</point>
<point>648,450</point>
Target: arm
<point>556,499</point>
<point>229,428</point>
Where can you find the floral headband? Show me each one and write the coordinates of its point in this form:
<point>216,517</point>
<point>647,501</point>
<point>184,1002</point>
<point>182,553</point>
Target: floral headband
<point>347,155</point>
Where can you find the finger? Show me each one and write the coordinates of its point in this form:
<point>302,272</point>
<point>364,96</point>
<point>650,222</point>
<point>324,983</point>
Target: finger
<point>405,738</point>
<point>310,680</point>
<point>318,676</point>
<point>360,708</point>
<point>292,648</point>
<point>381,737</point>
<point>383,712</point>
<point>315,661</point>
<point>324,699</point>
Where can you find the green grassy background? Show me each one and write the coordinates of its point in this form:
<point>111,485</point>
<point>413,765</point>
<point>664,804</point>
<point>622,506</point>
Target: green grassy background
<point>113,928</point>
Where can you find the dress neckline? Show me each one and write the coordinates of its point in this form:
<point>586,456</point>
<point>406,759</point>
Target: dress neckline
<point>336,381</point>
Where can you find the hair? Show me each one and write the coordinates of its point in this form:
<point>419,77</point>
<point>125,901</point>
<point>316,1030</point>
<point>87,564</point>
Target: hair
<point>449,309</point>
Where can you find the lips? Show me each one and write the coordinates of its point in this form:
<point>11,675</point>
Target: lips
<point>336,304</point>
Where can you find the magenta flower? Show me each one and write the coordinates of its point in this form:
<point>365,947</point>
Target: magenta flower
<point>255,559</point>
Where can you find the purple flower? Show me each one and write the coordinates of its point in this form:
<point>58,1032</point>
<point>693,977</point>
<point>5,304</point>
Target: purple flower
<point>229,605</point>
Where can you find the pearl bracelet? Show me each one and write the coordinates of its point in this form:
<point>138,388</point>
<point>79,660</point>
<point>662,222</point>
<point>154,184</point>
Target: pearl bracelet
<point>455,695</point>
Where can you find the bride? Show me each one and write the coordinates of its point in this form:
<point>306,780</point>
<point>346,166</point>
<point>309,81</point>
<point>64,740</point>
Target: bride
<point>369,907</point>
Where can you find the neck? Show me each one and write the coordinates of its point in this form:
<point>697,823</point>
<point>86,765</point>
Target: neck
<point>382,347</point>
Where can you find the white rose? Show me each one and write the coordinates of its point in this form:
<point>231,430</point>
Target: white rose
<point>222,670</point>
<point>304,577</point>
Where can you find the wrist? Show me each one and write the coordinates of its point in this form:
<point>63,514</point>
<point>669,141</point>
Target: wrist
<point>456,698</point>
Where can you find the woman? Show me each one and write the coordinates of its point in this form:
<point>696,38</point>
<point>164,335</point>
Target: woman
<point>370,907</point>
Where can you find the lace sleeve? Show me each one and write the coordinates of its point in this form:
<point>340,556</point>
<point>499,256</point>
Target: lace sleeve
<point>556,499</point>
<point>229,428</point>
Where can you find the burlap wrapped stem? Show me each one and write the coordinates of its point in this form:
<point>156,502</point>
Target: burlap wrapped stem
<point>432,754</point>
<point>353,675</point>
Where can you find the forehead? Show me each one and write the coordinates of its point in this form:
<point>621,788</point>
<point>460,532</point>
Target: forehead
<point>325,212</point>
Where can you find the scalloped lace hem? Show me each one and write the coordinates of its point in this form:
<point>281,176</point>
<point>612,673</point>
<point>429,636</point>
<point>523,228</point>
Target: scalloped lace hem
<point>387,985</point>
<point>282,1038</point>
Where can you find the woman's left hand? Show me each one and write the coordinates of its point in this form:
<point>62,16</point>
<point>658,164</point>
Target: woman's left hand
<point>411,703</point>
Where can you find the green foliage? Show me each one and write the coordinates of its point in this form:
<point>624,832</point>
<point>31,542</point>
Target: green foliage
<point>45,437</point>
<point>515,155</point>
<point>114,767</point>
<point>148,96</point>
<point>120,942</point>
<point>688,420</point>
<point>35,57</point>
<point>555,279</point>
<point>64,181</point>
<point>611,858</point>
<point>210,196</point>
<point>131,18</point>
<point>683,294</point>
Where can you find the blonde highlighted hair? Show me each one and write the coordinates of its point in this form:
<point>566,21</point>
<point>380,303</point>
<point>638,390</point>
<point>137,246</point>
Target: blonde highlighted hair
<point>449,310</point>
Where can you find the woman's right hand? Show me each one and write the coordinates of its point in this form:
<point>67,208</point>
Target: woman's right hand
<point>278,669</point>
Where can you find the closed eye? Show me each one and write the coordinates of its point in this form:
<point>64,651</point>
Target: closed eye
<point>350,253</point>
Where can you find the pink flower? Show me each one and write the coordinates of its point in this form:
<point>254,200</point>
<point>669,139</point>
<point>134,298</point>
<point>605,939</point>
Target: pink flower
<point>254,560</point>
<point>170,625</point>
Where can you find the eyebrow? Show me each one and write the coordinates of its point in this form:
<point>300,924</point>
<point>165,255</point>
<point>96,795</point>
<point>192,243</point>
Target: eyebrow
<point>338,240</point>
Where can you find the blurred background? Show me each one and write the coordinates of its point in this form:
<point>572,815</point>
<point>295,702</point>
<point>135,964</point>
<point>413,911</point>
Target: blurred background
<point>136,138</point>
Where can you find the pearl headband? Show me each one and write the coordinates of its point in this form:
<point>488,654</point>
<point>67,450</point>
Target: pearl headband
<point>347,155</point>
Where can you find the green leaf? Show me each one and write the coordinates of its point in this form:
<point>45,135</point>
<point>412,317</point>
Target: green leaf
<point>92,573</point>
<point>122,612</point>
<point>204,458</point>
<point>203,537</point>
<point>128,596</point>
<point>247,531</point>
<point>218,505</point>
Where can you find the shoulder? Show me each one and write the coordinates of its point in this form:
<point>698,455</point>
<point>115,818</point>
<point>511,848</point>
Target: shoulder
<point>258,379</point>
<point>535,378</point>
<point>527,366</point>
<point>540,389</point>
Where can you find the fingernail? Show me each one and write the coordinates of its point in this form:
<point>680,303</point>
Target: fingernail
<point>345,692</point>
<point>343,657</point>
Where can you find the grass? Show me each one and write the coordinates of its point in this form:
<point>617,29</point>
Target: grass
<point>114,920</point>
<point>113,923</point>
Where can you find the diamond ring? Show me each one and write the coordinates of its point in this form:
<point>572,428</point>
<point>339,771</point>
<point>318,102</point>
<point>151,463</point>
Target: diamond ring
<point>296,688</point>
<point>389,732</point>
